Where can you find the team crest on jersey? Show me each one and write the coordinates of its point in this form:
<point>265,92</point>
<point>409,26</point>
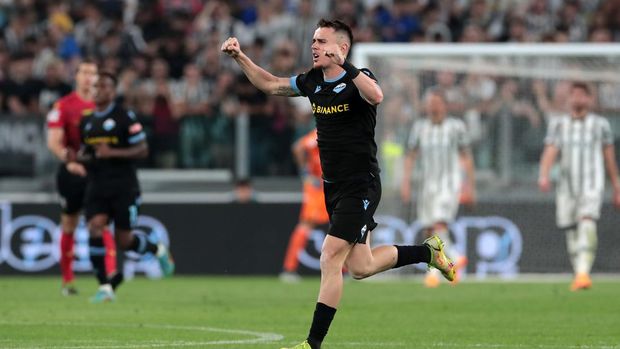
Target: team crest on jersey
<point>317,89</point>
<point>340,87</point>
<point>109,124</point>
<point>88,127</point>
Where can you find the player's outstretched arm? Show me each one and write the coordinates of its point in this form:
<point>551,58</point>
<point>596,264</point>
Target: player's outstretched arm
<point>55,144</point>
<point>259,77</point>
<point>609,155</point>
<point>408,166</point>
<point>546,161</point>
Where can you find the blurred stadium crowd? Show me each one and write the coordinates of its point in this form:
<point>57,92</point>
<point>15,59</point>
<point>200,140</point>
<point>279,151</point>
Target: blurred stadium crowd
<point>187,94</point>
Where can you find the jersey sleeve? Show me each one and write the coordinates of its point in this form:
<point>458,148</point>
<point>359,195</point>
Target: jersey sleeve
<point>368,73</point>
<point>135,131</point>
<point>56,116</point>
<point>413,143</point>
<point>553,133</point>
<point>607,136</point>
<point>298,84</point>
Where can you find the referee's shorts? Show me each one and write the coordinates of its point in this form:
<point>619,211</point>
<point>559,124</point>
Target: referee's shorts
<point>71,189</point>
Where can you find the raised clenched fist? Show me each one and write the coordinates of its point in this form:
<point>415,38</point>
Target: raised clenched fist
<point>231,47</point>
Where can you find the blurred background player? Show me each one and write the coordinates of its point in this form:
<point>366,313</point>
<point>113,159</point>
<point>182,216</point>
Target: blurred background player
<point>313,210</point>
<point>442,145</point>
<point>63,140</point>
<point>113,140</point>
<point>584,142</point>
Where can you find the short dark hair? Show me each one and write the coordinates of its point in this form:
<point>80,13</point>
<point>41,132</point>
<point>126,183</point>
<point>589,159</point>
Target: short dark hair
<point>87,60</point>
<point>581,85</point>
<point>338,26</point>
<point>105,74</point>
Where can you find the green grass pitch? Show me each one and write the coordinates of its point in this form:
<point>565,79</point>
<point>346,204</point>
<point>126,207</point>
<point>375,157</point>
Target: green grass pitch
<point>218,312</point>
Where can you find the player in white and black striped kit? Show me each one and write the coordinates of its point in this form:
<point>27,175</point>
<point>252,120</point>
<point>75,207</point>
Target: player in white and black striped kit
<point>441,144</point>
<point>585,143</point>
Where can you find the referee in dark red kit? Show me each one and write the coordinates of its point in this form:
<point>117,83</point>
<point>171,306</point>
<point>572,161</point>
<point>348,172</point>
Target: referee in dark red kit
<point>344,103</point>
<point>63,140</point>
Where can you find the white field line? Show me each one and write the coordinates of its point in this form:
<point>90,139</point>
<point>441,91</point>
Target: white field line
<point>259,337</point>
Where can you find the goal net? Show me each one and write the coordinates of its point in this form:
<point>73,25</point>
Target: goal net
<point>505,94</point>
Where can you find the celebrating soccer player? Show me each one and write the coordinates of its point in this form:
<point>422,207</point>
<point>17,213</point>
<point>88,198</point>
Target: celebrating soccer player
<point>442,145</point>
<point>585,143</point>
<point>113,139</point>
<point>63,140</point>
<point>344,103</point>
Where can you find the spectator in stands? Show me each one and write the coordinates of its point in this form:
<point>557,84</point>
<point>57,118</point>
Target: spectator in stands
<point>517,31</point>
<point>20,90</point>
<point>572,19</point>
<point>281,130</point>
<point>525,120</point>
<point>92,29</point>
<point>272,22</point>
<point>216,17</point>
<point>539,20</point>
<point>399,22</point>
<point>154,99</point>
<point>172,50</point>
<point>190,105</point>
<point>53,86</point>
<point>305,25</point>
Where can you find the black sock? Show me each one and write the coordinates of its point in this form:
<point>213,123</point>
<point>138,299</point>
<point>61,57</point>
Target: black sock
<point>116,280</point>
<point>323,316</point>
<point>97,258</point>
<point>412,254</point>
<point>142,245</point>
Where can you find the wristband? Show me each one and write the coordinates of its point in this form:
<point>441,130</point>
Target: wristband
<point>350,69</point>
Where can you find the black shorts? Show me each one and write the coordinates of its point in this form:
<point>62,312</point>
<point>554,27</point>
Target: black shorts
<point>351,206</point>
<point>71,189</point>
<point>121,205</point>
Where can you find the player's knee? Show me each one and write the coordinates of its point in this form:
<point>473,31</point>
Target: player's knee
<point>69,223</point>
<point>359,272</point>
<point>124,240</point>
<point>330,259</point>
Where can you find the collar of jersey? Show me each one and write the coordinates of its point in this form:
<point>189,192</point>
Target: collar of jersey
<point>337,77</point>
<point>104,112</point>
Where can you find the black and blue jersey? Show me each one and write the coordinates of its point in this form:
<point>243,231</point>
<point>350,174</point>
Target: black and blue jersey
<point>117,128</point>
<point>345,124</point>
